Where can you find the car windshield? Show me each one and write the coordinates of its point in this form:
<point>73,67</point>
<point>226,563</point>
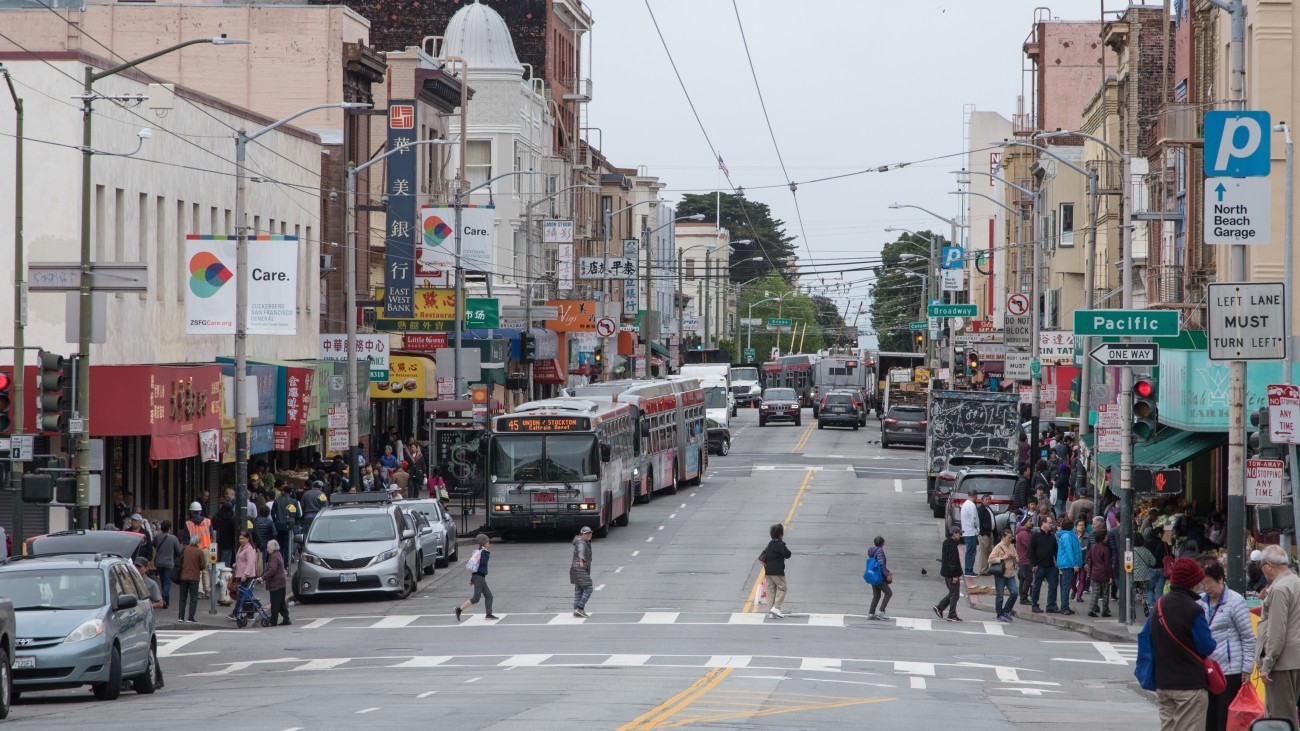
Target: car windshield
<point>779,394</point>
<point>350,527</point>
<point>53,588</point>
<point>428,510</point>
<point>905,414</point>
<point>999,486</point>
<point>715,397</point>
<point>744,374</point>
<point>554,458</point>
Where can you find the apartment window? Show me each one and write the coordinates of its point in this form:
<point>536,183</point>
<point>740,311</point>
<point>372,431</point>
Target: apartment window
<point>690,268</point>
<point>1067,225</point>
<point>119,224</point>
<point>478,162</point>
<point>160,244</point>
<point>181,272</point>
<point>196,216</point>
<point>101,224</point>
<point>142,239</point>
<point>214,222</point>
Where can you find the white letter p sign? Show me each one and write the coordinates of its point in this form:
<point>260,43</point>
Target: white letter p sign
<point>1237,144</point>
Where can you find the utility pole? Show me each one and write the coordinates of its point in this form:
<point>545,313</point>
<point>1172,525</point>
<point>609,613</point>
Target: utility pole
<point>1288,238</point>
<point>20,311</point>
<point>1236,564</point>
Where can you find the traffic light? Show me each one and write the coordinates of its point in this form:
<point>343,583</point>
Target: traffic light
<point>599,356</point>
<point>972,359</point>
<point>1157,480</point>
<point>920,340</point>
<point>1145,409</point>
<point>1260,442</point>
<point>52,401</point>
<point>527,347</point>
<point>38,488</point>
<point>6,403</point>
<point>65,490</point>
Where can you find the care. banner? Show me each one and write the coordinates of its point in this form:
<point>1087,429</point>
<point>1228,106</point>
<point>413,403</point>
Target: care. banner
<point>271,279</point>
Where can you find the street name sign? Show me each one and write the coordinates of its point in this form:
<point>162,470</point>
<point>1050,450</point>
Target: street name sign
<point>750,354</point>
<point>47,276</point>
<point>1149,323</point>
<point>779,321</point>
<point>1283,413</point>
<point>964,310</point>
<point>1126,354</point>
<point>916,325</point>
<point>1238,211</point>
<point>1264,480</point>
<point>1247,321</point>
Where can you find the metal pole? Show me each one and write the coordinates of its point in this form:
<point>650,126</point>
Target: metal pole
<point>350,315</point>
<point>1089,295</point>
<point>649,298</point>
<point>708,261</point>
<point>20,314</point>
<point>460,294</point>
<point>607,365</point>
<point>952,332</point>
<point>1236,564</point>
<point>1288,238</point>
<point>678,296</point>
<point>1126,386</point>
<point>1036,381</point>
<point>241,329</point>
<point>82,515</point>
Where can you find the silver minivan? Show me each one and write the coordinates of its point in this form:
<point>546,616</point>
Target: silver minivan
<point>360,543</point>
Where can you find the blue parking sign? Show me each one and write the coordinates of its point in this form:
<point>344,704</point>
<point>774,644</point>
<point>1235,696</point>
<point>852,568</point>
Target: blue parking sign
<point>1237,144</point>
<point>953,257</point>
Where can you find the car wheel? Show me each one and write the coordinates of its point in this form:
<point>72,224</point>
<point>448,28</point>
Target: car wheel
<point>110,689</point>
<point>938,511</point>
<point>762,421</point>
<point>798,422</point>
<point>724,448</point>
<point>447,556</point>
<point>6,683</point>
<point>146,682</point>
<point>409,584</point>
<point>672,486</point>
<point>626,517</point>
<point>428,570</point>
<point>855,426</point>
<point>884,443</point>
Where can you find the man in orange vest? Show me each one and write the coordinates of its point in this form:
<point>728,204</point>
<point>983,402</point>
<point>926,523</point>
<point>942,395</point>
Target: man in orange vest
<point>197,525</point>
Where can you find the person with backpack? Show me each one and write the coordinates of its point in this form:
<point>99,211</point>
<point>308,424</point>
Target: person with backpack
<point>773,559</point>
<point>880,591</point>
<point>167,555</point>
<point>285,514</point>
<point>478,571</point>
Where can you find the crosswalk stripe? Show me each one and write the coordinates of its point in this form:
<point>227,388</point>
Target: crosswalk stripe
<point>914,668</point>
<point>660,617</point>
<point>826,620</point>
<point>424,661</point>
<point>820,663</point>
<point>523,661</point>
<point>627,660</point>
<point>912,623</point>
<point>325,663</point>
<point>566,619</point>
<point>747,618</point>
<point>395,621</point>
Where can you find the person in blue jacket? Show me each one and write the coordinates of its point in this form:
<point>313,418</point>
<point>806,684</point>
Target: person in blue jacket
<point>1069,558</point>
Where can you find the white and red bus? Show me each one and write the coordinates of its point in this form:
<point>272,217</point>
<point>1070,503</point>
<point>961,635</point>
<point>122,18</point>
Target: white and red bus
<point>672,433</point>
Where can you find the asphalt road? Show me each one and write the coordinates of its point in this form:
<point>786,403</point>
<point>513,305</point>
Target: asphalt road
<point>674,639</point>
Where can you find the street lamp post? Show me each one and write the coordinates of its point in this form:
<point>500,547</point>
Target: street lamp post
<point>20,317</point>
<point>926,292</point>
<point>681,253</point>
<point>350,316</point>
<point>952,344</point>
<point>242,138</point>
<point>82,410</point>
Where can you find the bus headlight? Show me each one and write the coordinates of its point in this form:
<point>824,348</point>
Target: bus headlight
<point>636,471</point>
<point>499,508</point>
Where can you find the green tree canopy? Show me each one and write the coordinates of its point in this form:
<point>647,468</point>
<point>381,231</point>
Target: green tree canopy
<point>896,294</point>
<point>773,297</point>
<point>747,221</point>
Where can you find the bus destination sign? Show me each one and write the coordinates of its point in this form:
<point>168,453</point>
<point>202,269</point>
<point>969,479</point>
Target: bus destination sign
<point>543,424</point>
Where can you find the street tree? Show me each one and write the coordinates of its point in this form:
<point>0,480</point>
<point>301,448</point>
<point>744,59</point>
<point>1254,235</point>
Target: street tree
<point>746,220</point>
<point>897,298</point>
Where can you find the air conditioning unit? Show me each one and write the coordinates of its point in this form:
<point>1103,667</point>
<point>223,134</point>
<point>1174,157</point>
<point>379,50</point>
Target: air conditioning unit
<point>326,262</point>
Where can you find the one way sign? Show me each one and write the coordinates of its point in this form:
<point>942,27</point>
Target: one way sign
<point>1126,354</point>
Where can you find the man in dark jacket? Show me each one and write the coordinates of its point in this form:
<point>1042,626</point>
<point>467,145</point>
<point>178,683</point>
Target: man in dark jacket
<point>950,570</point>
<point>1042,557</point>
<point>224,525</point>
<point>1180,674</point>
<point>1020,493</point>
<point>774,557</point>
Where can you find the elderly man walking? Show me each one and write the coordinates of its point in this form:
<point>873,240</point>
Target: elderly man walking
<point>1278,646</point>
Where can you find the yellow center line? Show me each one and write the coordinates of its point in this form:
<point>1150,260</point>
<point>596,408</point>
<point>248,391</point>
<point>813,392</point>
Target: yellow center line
<point>656,716</point>
<point>799,445</point>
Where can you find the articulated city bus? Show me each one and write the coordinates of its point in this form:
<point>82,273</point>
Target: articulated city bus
<point>671,430</point>
<point>562,463</point>
<point>792,371</point>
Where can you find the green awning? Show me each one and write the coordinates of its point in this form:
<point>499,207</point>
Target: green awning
<point>661,350</point>
<point>1175,447</point>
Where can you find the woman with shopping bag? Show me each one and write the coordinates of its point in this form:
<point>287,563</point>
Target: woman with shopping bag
<point>1229,620</point>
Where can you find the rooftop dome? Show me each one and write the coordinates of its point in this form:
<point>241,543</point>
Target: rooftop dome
<point>479,35</point>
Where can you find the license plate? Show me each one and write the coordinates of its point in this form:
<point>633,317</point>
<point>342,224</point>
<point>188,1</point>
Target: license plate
<point>906,428</point>
<point>24,662</point>
<point>347,578</point>
<point>543,497</point>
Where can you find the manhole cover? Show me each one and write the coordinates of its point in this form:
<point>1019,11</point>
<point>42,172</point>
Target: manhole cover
<point>987,658</point>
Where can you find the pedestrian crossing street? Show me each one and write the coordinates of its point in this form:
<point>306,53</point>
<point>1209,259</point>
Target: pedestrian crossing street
<point>814,620</point>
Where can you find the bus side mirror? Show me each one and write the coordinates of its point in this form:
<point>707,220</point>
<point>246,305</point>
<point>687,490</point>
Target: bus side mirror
<point>605,452</point>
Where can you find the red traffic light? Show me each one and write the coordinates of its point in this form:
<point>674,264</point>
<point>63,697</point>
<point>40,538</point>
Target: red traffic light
<point>5,380</point>
<point>1144,389</point>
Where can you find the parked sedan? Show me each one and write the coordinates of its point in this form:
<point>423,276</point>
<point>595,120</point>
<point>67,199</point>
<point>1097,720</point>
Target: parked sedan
<point>952,468</point>
<point>444,528</point>
<point>903,424</point>
<point>837,409</point>
<point>996,482</point>
<point>780,404</point>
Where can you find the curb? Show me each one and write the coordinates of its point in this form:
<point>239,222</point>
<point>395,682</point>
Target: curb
<point>1119,634</point>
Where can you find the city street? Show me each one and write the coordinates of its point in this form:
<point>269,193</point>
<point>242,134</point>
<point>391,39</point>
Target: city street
<point>673,640</point>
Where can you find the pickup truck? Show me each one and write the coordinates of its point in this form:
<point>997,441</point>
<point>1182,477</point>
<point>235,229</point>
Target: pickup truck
<point>7,630</point>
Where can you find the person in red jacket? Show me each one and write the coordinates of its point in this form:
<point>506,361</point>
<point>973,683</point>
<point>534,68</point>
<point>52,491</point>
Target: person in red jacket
<point>1099,568</point>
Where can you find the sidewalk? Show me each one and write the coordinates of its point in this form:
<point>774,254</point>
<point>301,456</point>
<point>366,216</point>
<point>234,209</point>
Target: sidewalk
<point>979,596</point>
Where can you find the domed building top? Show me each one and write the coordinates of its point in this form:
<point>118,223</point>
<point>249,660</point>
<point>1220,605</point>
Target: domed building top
<point>478,34</point>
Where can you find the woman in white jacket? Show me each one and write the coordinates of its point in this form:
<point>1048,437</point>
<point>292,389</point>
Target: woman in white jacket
<point>1229,620</point>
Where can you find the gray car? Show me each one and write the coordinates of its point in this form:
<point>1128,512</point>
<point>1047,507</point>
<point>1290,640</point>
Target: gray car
<point>444,531</point>
<point>903,425</point>
<point>361,543</point>
<point>83,615</point>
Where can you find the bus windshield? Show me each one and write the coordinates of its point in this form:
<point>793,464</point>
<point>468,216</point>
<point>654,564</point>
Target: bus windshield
<point>553,458</point>
<point>715,397</point>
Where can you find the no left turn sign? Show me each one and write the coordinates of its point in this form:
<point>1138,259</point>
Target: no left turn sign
<point>1018,304</point>
<point>606,326</point>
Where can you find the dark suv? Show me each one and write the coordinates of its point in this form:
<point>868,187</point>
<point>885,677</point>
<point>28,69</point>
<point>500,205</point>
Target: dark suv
<point>779,404</point>
<point>838,409</point>
<point>903,425</point>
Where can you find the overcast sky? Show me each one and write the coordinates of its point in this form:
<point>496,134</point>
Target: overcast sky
<point>849,84</point>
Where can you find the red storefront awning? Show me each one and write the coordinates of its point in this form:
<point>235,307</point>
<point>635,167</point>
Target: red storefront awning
<point>170,404</point>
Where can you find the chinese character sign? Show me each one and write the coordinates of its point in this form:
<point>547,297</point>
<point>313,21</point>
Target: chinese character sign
<point>399,187</point>
<point>557,232</point>
<point>1056,347</point>
<point>631,252</point>
<point>613,267</point>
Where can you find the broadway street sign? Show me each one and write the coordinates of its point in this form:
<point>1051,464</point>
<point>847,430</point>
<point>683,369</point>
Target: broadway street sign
<point>1126,354</point>
<point>965,310</point>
